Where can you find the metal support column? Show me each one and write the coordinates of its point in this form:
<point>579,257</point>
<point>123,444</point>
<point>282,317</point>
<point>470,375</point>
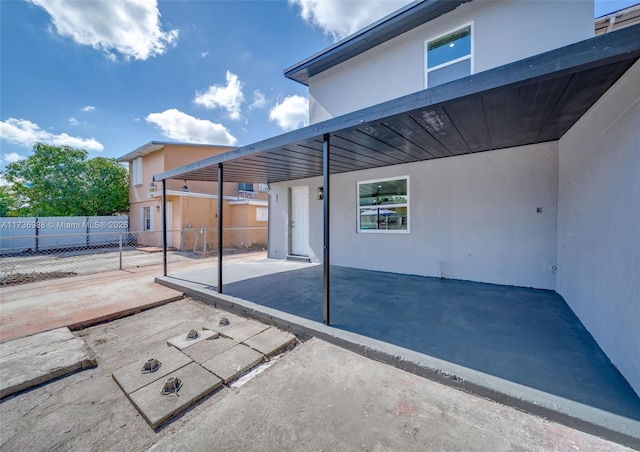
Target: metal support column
<point>164,227</point>
<point>220,224</point>
<point>325,204</point>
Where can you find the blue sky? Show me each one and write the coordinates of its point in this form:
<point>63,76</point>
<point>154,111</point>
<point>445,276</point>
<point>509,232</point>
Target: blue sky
<point>110,76</point>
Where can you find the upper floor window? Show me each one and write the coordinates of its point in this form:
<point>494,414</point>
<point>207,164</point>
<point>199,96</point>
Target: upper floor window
<point>242,186</point>
<point>449,57</point>
<point>383,205</point>
<point>136,174</point>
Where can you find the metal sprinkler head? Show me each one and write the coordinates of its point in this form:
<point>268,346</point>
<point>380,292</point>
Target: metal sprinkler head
<point>193,334</point>
<point>151,365</point>
<point>224,321</point>
<point>171,386</point>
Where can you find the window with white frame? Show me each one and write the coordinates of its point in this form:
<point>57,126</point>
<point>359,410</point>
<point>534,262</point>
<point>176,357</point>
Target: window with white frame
<point>383,205</point>
<point>146,218</point>
<point>449,56</point>
<point>136,175</point>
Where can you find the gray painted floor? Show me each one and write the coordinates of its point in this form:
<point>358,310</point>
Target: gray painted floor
<point>527,336</point>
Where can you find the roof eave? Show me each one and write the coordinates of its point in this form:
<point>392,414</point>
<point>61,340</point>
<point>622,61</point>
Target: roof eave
<point>395,24</point>
<point>141,151</point>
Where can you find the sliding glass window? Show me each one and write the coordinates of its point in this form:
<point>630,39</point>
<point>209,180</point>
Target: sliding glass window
<point>383,205</point>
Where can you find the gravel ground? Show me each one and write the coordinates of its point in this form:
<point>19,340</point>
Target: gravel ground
<point>14,279</point>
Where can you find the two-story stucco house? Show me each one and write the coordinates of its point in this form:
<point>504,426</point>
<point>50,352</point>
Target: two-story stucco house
<point>490,141</point>
<point>191,205</point>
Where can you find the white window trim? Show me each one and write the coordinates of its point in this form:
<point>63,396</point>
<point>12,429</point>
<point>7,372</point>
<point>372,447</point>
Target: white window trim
<point>382,231</point>
<point>471,56</point>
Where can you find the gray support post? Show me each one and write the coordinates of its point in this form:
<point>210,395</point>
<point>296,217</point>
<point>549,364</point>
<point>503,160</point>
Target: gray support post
<point>164,227</point>
<point>220,224</point>
<point>325,204</point>
<point>120,249</point>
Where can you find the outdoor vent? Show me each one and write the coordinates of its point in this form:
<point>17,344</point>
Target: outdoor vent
<point>224,321</point>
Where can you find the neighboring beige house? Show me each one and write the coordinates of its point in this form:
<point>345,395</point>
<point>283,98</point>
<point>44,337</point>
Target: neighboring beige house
<point>191,205</point>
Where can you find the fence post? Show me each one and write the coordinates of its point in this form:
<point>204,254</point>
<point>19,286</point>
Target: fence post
<point>120,248</point>
<point>37,233</point>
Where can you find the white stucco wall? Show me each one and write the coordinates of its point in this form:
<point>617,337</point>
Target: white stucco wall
<point>504,31</point>
<point>473,216</point>
<point>599,223</point>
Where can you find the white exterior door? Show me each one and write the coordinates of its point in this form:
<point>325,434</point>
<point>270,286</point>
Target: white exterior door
<point>300,221</point>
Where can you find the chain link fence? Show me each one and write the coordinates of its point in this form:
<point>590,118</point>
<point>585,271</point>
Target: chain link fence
<point>28,258</point>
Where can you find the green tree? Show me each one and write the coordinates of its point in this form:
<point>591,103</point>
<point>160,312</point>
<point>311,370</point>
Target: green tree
<point>7,202</point>
<point>107,187</point>
<point>60,181</point>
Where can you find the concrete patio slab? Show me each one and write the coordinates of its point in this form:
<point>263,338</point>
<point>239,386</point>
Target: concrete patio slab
<point>270,341</point>
<point>183,341</point>
<point>245,330</point>
<point>130,378</point>
<point>156,408</point>
<point>30,361</point>
<point>234,362</point>
<point>206,350</point>
<point>519,346</point>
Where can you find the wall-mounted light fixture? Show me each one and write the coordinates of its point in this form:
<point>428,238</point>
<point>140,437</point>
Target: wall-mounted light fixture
<point>320,193</point>
<point>184,187</point>
<point>152,186</point>
<point>157,208</point>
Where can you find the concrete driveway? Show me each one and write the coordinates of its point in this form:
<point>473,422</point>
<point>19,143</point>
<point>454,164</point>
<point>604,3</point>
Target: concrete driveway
<point>315,397</point>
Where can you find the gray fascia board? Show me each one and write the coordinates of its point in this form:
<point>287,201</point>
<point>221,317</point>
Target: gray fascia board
<point>598,51</point>
<point>390,26</point>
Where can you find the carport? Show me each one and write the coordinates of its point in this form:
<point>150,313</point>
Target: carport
<point>530,101</point>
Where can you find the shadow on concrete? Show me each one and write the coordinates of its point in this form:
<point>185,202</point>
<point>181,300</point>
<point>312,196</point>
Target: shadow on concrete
<point>527,336</point>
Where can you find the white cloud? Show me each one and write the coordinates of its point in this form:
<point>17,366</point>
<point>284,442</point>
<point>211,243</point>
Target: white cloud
<point>88,108</point>
<point>27,133</point>
<point>291,113</point>
<point>340,18</point>
<point>12,157</point>
<point>180,126</point>
<point>204,54</point>
<point>130,28</point>
<point>259,100</point>
<point>229,97</point>
<point>73,121</point>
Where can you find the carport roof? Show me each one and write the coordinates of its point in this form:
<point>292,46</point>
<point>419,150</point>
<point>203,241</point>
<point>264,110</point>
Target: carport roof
<point>529,101</point>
